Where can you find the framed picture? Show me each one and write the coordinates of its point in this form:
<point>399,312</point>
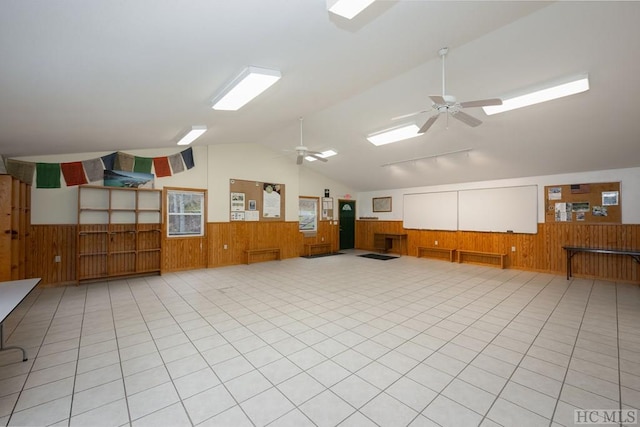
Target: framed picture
<point>382,204</point>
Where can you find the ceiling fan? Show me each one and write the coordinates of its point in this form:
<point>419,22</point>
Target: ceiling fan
<point>447,104</point>
<point>303,151</point>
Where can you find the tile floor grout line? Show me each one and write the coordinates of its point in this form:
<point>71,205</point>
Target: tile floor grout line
<point>199,352</point>
<point>618,349</point>
<point>584,312</point>
<point>36,355</point>
<point>487,344</point>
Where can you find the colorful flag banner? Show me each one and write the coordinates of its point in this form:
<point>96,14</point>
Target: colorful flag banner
<point>21,170</point>
<point>161,166</point>
<point>124,162</point>
<point>187,156</point>
<point>177,165</point>
<point>47,175</point>
<point>142,164</point>
<point>94,169</point>
<point>109,162</point>
<point>73,173</point>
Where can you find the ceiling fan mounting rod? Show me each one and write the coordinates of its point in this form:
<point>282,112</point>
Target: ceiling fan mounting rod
<point>443,53</point>
<point>301,144</point>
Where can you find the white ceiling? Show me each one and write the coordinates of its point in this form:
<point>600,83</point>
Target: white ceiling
<point>102,75</point>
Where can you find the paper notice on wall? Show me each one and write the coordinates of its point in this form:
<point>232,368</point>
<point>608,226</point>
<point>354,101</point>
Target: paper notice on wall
<point>251,215</point>
<point>237,216</point>
<point>563,212</point>
<point>237,202</point>
<point>554,193</point>
<point>271,201</point>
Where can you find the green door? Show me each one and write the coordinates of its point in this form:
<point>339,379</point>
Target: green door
<point>347,223</point>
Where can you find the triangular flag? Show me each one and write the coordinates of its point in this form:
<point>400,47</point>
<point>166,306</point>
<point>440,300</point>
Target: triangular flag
<point>187,156</point>
<point>142,164</point>
<point>161,166</point>
<point>47,175</point>
<point>73,173</point>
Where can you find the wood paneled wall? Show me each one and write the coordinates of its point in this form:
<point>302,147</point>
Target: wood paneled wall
<point>47,242</point>
<point>240,236</point>
<point>537,252</point>
<point>184,253</point>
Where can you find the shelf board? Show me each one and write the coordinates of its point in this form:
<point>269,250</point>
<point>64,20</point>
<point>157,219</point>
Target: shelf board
<point>123,252</point>
<point>149,250</point>
<point>91,253</point>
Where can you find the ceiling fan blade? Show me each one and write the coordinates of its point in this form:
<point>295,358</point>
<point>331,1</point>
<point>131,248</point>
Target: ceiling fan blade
<point>425,127</point>
<point>466,119</point>
<point>481,103</point>
<point>299,159</point>
<point>438,99</point>
<point>322,159</point>
<point>404,116</point>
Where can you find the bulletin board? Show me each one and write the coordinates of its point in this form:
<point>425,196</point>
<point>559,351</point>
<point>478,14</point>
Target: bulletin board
<point>595,203</point>
<point>256,201</point>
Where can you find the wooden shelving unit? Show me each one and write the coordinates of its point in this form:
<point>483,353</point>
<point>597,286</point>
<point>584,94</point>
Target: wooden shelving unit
<point>119,232</point>
<point>15,224</point>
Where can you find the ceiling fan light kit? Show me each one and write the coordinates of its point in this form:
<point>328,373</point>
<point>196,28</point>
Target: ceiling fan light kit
<point>193,134</point>
<point>251,82</point>
<point>395,134</point>
<point>347,8</point>
<point>559,89</point>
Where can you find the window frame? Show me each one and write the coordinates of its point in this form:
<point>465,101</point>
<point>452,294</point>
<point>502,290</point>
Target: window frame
<point>315,201</point>
<point>203,211</point>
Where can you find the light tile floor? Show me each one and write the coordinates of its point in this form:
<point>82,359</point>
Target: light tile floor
<point>339,340</point>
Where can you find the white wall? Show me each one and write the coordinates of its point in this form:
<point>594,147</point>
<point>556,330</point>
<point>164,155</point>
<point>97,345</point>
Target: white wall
<point>629,197</point>
<point>214,166</point>
<point>60,205</point>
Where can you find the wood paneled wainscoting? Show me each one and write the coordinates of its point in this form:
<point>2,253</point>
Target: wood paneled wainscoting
<point>536,252</point>
<point>241,236</point>
<point>47,242</point>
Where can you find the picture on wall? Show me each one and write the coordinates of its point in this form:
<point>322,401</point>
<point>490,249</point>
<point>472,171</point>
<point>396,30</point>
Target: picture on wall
<point>382,204</point>
<point>113,178</point>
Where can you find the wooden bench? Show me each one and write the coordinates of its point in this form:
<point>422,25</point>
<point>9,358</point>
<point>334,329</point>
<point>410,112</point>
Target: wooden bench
<point>252,252</point>
<point>317,248</point>
<point>437,252</point>
<point>482,257</point>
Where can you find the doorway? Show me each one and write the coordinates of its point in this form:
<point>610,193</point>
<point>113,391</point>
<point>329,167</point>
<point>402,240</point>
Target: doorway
<point>347,216</point>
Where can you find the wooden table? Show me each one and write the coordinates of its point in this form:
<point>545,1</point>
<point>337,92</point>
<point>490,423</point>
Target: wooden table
<point>12,293</point>
<point>572,250</point>
<point>384,241</point>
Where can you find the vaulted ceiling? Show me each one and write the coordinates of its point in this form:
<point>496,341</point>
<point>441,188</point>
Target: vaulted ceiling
<point>84,76</point>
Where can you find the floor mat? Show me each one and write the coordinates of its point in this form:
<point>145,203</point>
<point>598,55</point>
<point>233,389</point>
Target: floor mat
<point>322,255</point>
<point>378,256</point>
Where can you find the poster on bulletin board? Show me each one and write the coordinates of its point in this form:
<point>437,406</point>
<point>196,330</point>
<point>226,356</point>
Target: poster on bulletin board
<point>256,201</point>
<point>597,203</point>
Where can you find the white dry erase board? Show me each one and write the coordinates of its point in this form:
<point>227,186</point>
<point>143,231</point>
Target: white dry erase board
<point>506,209</point>
<point>431,211</point>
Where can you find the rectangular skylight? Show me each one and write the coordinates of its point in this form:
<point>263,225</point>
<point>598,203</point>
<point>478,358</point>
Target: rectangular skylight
<point>575,85</point>
<point>251,82</point>
<point>396,134</point>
